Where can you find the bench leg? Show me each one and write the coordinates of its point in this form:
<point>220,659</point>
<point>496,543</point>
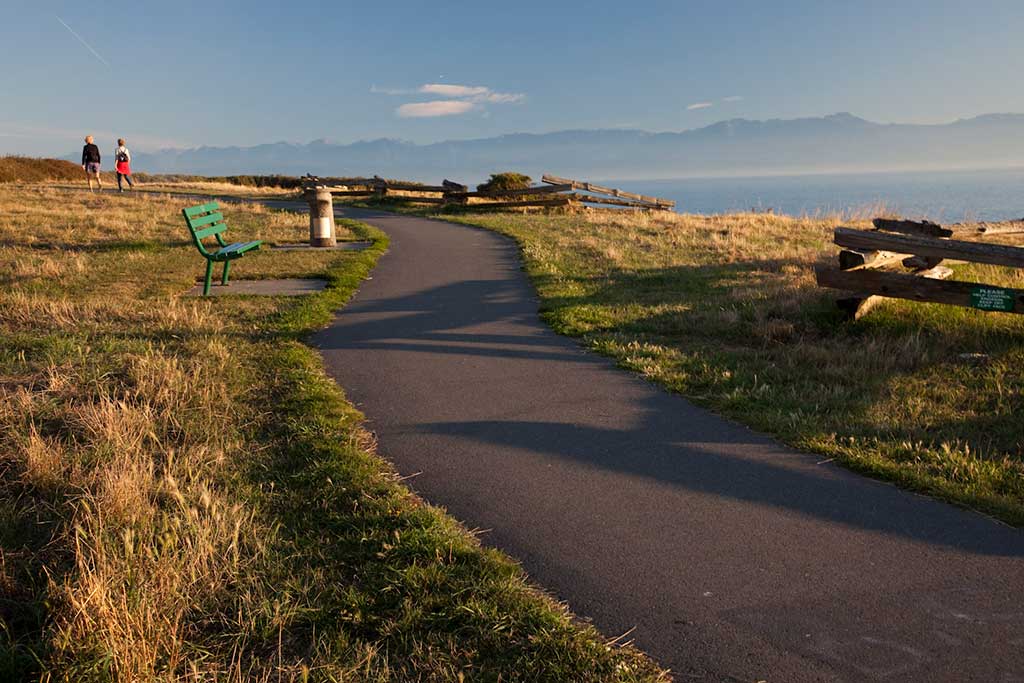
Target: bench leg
<point>209,277</point>
<point>224,278</point>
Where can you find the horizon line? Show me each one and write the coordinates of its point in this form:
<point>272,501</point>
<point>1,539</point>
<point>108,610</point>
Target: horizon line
<point>329,141</point>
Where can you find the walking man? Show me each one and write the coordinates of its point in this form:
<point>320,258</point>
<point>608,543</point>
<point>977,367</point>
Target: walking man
<point>122,163</point>
<point>91,162</point>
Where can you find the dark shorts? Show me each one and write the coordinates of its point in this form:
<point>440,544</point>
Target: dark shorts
<point>92,167</point>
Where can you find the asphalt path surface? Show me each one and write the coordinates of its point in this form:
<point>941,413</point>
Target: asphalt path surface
<point>732,557</point>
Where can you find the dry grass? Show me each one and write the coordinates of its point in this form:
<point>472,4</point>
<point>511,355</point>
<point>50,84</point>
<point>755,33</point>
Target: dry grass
<point>184,496</point>
<point>113,427</point>
<point>151,539</point>
<point>725,309</point>
<point>211,187</point>
<point>30,170</point>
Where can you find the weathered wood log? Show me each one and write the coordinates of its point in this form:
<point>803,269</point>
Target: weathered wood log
<point>410,187</point>
<point>341,183</point>
<point>341,189</point>
<point>589,199</point>
<point>547,189</point>
<point>985,229</point>
<point>975,252</point>
<point>923,288</point>
<point>417,200</point>
<point>1007,228</point>
<point>337,183</point>
<point>912,227</point>
<point>936,272</point>
<point>590,187</point>
<point>921,262</point>
<point>451,186</point>
<point>852,260</point>
<point>561,201</point>
<point>856,306</point>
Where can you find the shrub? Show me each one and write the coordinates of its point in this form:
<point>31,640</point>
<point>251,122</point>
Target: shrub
<point>505,181</point>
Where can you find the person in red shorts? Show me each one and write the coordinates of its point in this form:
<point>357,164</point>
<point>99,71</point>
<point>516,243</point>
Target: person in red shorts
<point>122,164</point>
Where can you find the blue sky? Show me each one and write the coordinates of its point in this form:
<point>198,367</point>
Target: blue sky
<point>242,73</point>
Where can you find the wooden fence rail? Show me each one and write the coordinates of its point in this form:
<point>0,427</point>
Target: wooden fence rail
<point>655,202</point>
<point>995,254</point>
<point>554,192</point>
<point>546,189</point>
<point>865,266</point>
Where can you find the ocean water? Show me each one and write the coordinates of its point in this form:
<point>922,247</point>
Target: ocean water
<point>946,196</point>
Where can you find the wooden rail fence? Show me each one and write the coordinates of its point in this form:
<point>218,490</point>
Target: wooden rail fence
<point>554,192</point>
<point>865,265</point>
<point>629,198</point>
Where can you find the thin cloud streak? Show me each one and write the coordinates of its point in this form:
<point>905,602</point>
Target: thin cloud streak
<point>699,105</point>
<point>733,98</point>
<point>82,41</point>
<point>391,91</point>
<point>472,93</point>
<point>454,90</point>
<point>461,99</point>
<point>503,98</point>
<point>420,110</point>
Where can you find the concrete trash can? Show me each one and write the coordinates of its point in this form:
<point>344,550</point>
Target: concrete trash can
<point>321,218</point>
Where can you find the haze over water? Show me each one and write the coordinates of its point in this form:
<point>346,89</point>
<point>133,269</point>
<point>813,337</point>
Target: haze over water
<point>943,196</point>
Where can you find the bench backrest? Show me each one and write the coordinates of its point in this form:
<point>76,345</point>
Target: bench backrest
<point>205,220</point>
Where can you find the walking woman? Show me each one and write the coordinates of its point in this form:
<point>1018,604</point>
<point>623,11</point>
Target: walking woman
<point>122,164</point>
<point>91,162</point>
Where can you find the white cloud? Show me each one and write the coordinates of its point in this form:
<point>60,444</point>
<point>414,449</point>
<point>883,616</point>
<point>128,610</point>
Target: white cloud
<point>732,98</point>
<point>473,93</point>
<point>699,105</point>
<point>418,110</point>
<point>454,90</point>
<point>460,99</point>
<point>503,97</point>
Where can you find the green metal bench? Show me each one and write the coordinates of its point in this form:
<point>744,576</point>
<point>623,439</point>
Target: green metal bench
<point>205,220</point>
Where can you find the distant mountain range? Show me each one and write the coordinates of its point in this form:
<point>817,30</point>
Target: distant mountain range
<point>835,143</point>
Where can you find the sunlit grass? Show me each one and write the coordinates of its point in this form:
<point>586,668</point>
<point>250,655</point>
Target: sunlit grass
<point>184,494</point>
<point>725,310</point>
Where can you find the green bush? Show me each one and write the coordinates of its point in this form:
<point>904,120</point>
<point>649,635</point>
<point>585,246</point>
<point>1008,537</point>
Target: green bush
<point>505,181</point>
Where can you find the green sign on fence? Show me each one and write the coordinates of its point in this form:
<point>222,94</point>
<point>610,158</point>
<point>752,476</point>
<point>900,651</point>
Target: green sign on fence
<point>992,298</point>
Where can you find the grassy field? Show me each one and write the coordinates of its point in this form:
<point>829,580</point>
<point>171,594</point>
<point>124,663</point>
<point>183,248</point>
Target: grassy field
<point>216,188</point>
<point>184,494</point>
<point>30,170</point>
<point>725,310</point>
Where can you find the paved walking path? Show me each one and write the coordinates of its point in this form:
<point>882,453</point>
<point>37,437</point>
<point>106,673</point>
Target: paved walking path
<point>734,558</point>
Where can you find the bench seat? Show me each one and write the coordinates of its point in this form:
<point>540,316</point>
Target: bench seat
<point>206,220</point>
<point>235,250</point>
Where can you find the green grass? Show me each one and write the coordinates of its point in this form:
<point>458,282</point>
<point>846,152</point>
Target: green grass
<point>725,311</point>
<point>185,495</point>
